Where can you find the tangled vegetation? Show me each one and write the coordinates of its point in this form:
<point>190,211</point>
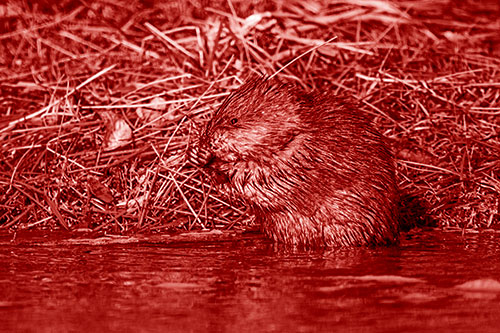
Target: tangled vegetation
<point>99,101</point>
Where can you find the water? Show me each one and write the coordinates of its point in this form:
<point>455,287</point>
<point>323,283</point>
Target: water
<point>433,281</point>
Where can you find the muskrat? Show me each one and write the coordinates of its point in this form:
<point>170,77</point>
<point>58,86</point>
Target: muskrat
<point>310,166</point>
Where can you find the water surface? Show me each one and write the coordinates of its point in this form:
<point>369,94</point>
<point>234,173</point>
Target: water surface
<point>432,281</point>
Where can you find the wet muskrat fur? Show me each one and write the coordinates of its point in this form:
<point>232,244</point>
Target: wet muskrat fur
<point>311,167</point>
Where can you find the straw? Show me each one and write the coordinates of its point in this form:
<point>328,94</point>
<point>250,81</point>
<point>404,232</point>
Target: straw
<point>100,102</point>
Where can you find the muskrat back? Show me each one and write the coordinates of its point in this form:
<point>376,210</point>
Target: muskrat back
<point>311,167</point>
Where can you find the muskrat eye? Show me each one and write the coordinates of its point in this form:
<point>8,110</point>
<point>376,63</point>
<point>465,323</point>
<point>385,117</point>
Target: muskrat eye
<point>234,121</point>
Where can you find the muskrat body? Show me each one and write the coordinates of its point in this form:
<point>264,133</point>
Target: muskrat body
<point>311,168</point>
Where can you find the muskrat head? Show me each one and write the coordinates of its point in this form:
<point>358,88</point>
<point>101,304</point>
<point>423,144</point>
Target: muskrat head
<point>253,124</point>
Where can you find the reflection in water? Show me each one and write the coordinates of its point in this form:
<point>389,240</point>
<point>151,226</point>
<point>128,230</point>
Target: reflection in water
<point>432,281</point>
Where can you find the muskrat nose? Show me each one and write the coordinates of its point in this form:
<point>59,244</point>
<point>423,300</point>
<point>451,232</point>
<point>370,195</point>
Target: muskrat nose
<point>199,156</point>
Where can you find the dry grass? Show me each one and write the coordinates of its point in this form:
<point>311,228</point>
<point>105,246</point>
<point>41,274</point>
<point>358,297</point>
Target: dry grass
<point>99,101</point>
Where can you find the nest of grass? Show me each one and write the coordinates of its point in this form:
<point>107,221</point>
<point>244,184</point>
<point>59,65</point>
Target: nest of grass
<point>100,100</point>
